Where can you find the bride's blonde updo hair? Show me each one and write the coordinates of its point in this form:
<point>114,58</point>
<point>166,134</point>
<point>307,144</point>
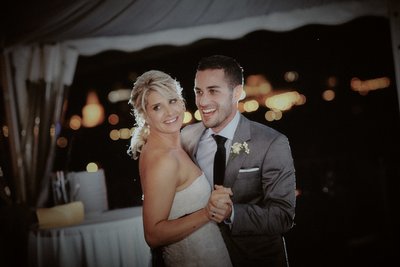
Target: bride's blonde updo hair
<point>149,81</point>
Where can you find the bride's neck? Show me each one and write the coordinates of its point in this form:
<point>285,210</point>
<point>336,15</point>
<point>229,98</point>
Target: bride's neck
<point>165,140</point>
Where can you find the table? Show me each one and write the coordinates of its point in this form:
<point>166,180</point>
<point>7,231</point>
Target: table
<point>111,238</point>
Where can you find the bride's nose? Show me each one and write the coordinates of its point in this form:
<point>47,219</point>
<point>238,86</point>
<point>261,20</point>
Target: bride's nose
<point>169,110</point>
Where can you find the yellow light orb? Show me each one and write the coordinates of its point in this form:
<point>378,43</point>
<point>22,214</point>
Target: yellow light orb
<point>92,167</point>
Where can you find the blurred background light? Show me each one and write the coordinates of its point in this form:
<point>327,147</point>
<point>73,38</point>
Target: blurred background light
<point>92,167</point>
<point>256,85</point>
<point>251,105</point>
<point>114,135</point>
<point>197,115</point>
<point>187,117</point>
<point>332,81</point>
<point>62,142</point>
<point>363,87</point>
<point>328,95</point>
<point>291,76</point>
<point>283,101</point>
<point>113,119</point>
<point>125,133</point>
<point>93,111</point>
<point>119,95</point>
<point>75,122</point>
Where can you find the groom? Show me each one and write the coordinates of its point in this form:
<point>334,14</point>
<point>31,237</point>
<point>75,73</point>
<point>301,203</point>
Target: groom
<point>259,167</point>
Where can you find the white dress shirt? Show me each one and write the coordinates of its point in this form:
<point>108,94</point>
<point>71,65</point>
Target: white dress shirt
<point>208,147</point>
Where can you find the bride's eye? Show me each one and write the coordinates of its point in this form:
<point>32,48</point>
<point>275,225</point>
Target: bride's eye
<point>173,101</point>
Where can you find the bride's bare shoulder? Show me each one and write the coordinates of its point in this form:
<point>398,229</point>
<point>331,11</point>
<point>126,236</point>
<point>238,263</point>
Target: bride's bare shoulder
<point>159,163</point>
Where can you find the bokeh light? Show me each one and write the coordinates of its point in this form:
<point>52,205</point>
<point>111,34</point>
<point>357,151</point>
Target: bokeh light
<point>363,87</point>
<point>125,133</point>
<point>251,105</point>
<point>328,95</point>
<point>187,117</point>
<point>62,142</point>
<point>197,115</point>
<point>283,101</point>
<point>113,119</point>
<point>114,135</point>
<point>75,122</point>
<point>92,167</point>
<point>119,95</point>
<point>291,76</point>
<point>93,111</point>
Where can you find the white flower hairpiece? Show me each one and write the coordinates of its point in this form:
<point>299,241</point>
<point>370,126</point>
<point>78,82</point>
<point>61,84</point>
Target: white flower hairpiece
<point>237,147</point>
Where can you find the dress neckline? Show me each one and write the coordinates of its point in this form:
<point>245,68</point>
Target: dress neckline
<point>191,184</point>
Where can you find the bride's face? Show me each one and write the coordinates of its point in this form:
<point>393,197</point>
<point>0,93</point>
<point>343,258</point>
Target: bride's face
<point>164,114</point>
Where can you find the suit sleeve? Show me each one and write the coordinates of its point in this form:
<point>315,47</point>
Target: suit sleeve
<point>272,211</point>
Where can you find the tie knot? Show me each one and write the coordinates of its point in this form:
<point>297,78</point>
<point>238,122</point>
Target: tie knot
<point>219,139</point>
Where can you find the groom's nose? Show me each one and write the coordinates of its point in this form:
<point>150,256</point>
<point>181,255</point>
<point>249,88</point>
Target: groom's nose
<point>202,100</point>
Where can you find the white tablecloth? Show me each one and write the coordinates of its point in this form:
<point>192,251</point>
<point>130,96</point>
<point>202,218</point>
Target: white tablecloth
<point>110,239</point>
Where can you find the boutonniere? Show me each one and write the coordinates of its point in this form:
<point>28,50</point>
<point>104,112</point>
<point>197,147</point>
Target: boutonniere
<point>237,148</point>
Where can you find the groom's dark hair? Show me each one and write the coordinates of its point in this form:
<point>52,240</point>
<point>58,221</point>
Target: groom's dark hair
<point>232,69</point>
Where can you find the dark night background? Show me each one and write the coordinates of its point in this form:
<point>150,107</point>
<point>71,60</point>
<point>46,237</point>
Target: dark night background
<point>346,151</point>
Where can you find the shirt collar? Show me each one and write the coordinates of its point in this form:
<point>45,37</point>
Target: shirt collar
<point>229,130</point>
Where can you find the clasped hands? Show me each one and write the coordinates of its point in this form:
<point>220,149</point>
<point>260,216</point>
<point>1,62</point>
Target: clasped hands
<point>219,206</point>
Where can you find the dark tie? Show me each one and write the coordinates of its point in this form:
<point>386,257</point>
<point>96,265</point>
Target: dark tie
<point>219,160</point>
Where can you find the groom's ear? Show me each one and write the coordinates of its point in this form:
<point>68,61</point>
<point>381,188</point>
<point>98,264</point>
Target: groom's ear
<point>238,93</point>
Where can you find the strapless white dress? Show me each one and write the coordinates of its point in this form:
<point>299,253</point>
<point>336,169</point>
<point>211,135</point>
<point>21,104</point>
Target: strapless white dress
<point>204,247</point>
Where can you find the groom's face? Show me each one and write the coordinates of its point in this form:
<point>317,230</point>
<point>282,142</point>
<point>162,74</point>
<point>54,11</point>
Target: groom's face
<point>216,101</point>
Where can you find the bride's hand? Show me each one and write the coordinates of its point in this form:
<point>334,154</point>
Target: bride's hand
<point>219,206</point>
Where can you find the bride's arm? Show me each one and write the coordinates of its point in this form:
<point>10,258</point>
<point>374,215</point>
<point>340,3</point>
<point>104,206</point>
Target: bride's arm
<point>159,183</point>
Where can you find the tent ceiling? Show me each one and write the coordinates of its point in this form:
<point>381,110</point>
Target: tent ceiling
<point>83,22</point>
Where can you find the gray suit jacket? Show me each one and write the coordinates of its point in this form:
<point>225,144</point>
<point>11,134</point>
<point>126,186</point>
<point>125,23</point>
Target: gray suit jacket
<point>263,185</point>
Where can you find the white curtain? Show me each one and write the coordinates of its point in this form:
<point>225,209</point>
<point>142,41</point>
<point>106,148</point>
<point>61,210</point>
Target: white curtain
<point>37,79</point>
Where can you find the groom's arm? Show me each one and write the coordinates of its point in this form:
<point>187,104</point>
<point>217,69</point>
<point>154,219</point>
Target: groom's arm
<point>272,210</point>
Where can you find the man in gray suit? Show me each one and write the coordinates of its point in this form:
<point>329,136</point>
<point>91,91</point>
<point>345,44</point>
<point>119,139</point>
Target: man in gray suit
<point>259,167</point>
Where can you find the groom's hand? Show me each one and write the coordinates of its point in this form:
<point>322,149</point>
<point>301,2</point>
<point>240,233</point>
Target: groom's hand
<point>219,205</point>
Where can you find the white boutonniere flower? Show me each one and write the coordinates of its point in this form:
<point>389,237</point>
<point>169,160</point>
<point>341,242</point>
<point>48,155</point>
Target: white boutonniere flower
<point>237,148</point>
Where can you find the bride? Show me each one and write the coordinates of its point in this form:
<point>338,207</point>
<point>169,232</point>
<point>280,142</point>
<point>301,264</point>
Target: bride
<point>176,216</point>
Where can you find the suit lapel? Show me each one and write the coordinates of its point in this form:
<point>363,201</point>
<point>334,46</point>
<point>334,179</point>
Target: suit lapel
<point>242,134</point>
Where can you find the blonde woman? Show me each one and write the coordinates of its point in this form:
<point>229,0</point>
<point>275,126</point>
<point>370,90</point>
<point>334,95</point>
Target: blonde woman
<point>176,214</point>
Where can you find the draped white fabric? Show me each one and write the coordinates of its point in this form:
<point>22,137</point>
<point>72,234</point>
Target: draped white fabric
<point>55,64</point>
<point>75,20</point>
<point>296,16</point>
<point>90,188</point>
<point>113,238</point>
